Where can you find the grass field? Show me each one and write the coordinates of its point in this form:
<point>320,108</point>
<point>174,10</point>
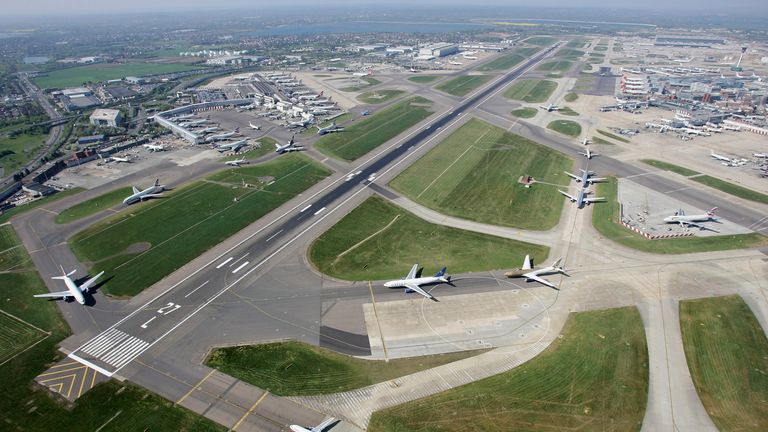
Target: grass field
<point>606,218</point>
<point>567,111</point>
<point>365,82</point>
<point>565,127</point>
<point>598,140</point>
<point>13,256</point>
<point>6,216</point>
<point>727,354</point>
<point>424,79</point>
<point>76,76</point>
<point>713,182</point>
<point>473,174</point>
<point>531,91</point>
<point>571,97</point>
<point>267,145</point>
<point>508,60</point>
<point>540,40</point>
<point>377,241</point>
<point>379,96</point>
<point>93,205</point>
<point>294,368</point>
<point>569,54</point>
<point>612,136</point>
<point>525,112</point>
<point>462,85</point>
<point>364,136</point>
<point>17,151</point>
<point>136,251</point>
<point>593,377</point>
<point>556,66</point>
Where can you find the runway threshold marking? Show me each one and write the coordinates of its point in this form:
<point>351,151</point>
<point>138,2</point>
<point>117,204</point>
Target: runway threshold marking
<point>195,387</point>
<point>240,267</point>
<point>250,410</point>
<point>378,324</point>
<point>224,263</point>
<point>193,291</point>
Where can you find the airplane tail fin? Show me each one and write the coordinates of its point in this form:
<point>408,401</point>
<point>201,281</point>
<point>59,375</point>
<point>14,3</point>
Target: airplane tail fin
<point>441,273</point>
<point>527,265</point>
<point>556,264</point>
<point>157,182</point>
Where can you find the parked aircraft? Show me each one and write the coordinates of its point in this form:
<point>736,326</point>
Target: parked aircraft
<point>319,112</point>
<point>193,123</point>
<point>222,136</point>
<point>582,199</point>
<point>286,148</point>
<point>693,220</point>
<point>329,129</point>
<point>585,141</point>
<point>760,155</point>
<point>719,157</point>
<point>319,428</point>
<point>299,124</point>
<point>412,282</point>
<point>232,146</point>
<point>362,74</point>
<point>207,130</point>
<point>588,154</point>
<point>586,177</point>
<point>529,274</point>
<point>183,117</point>
<point>141,195</point>
<point>254,127</point>
<point>236,162</point>
<point>73,290</point>
<point>120,159</point>
<point>549,108</point>
<point>154,148</point>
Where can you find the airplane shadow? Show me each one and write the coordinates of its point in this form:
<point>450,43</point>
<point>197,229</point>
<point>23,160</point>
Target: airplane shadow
<point>90,300</point>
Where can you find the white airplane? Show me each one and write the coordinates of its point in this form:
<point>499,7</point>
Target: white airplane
<point>154,148</point>
<point>586,177</point>
<point>412,283</point>
<point>585,141</point>
<point>183,117</point>
<point>254,127</point>
<point>362,74</point>
<point>236,162</point>
<point>719,157</point>
<point>582,199</point>
<point>588,154</point>
<point>193,123</point>
<point>72,289</point>
<point>208,130</point>
<point>319,112</point>
<point>329,129</point>
<point>119,159</point>
<point>693,220</point>
<point>299,124</point>
<point>455,63</point>
<point>319,428</point>
<point>232,146</point>
<point>529,274</point>
<point>549,108</point>
<point>222,136</point>
<point>760,155</point>
<point>141,195</point>
<point>286,148</point>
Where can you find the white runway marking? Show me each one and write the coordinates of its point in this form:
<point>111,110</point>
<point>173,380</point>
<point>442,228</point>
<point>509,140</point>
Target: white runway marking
<point>319,211</point>
<point>192,292</point>
<point>240,267</point>
<point>239,259</point>
<point>305,208</point>
<point>274,235</point>
<point>148,321</point>
<point>224,263</point>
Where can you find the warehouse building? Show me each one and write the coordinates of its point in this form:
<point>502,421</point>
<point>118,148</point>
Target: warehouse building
<point>438,50</point>
<point>106,117</point>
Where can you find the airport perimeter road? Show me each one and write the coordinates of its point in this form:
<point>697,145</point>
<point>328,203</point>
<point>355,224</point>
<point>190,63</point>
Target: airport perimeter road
<point>117,346</point>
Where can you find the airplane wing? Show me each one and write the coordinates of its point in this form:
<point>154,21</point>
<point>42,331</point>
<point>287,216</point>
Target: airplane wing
<point>412,273</point>
<point>597,179</point>
<point>151,196</point>
<point>321,427</point>
<point>571,197</point>
<point>595,199</point>
<point>532,276</point>
<point>136,190</point>
<point>416,288</point>
<point>85,286</point>
<point>698,225</point>
<point>59,294</point>
<point>571,175</point>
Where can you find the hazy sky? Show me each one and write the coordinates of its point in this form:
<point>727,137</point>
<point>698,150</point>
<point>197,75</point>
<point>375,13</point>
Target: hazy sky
<point>69,7</point>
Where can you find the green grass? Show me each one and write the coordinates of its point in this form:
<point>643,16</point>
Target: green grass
<point>503,62</point>
<point>379,240</point>
<point>612,136</point>
<point>540,40</point>
<point>365,82</point>
<point>17,151</point>
<point>565,127</point>
<point>531,91</point>
<point>473,174</point>
<point>556,66</point>
<point>364,136</point>
<point>606,217</point>
<point>93,205</point>
<point>295,368</point>
<point>569,54</point>
<point>13,256</point>
<point>194,218</point>
<point>727,355</point>
<point>571,97</point>
<point>424,79</point>
<point>379,96</point>
<point>525,112</point>
<point>462,85</point>
<point>577,43</point>
<point>6,216</point>
<point>713,182</point>
<point>567,111</point>
<point>593,377</point>
<point>598,140</point>
<point>76,76</point>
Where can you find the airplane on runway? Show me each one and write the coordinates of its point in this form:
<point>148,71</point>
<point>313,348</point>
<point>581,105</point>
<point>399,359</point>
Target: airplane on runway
<point>222,136</point>
<point>73,290</point>
<point>286,148</point>
<point>582,199</point>
<point>588,154</point>
<point>319,428</point>
<point>254,127</point>
<point>586,177</point>
<point>412,283</point>
<point>585,141</point>
<point>120,159</point>
<point>232,146</point>
<point>693,220</point>
<point>529,274</point>
<point>236,162</point>
<point>329,129</point>
<point>549,108</point>
<point>141,195</point>
<point>154,148</point>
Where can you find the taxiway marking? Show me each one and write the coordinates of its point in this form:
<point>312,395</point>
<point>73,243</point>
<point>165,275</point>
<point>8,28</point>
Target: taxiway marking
<point>195,386</point>
<point>253,407</point>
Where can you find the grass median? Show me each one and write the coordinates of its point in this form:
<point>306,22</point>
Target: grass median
<point>462,85</point>
<point>379,96</point>
<point>566,127</point>
<point>525,113</point>
<point>531,91</point>
<point>93,205</point>
<point>424,79</point>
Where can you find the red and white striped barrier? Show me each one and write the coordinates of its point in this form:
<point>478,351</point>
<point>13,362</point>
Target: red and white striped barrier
<point>656,237</point>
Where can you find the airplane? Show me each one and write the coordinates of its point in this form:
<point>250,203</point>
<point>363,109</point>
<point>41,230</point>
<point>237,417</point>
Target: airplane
<point>693,220</point>
<point>329,129</point>
<point>299,124</point>
<point>760,155</point>
<point>585,141</point>
<point>319,428</point>
<point>455,63</point>
<point>183,117</point>
<point>254,127</point>
<point>285,148</point>
<point>236,162</point>
<point>141,195</point>
<point>362,74</point>
<point>72,289</point>
<point>233,146</point>
<point>222,136</point>
<point>154,148</point>
<point>588,154</point>
<point>193,123</point>
<point>208,130</point>
<point>549,108</point>
<point>529,274</point>
<point>119,159</point>
<point>319,112</point>
<point>365,113</point>
<point>585,177</point>
<point>412,283</point>
<point>719,157</point>
<point>581,199</point>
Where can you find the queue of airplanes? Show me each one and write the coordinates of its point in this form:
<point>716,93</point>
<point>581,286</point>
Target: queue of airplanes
<point>582,197</point>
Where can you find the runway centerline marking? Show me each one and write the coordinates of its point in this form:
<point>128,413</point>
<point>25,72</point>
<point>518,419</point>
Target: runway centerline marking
<point>240,267</point>
<point>193,291</point>
<point>195,387</point>
<point>224,263</point>
<point>273,236</point>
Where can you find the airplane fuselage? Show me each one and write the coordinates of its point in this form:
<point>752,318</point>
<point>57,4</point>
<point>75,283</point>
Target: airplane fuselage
<point>74,291</point>
<point>417,281</point>
<point>138,196</point>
